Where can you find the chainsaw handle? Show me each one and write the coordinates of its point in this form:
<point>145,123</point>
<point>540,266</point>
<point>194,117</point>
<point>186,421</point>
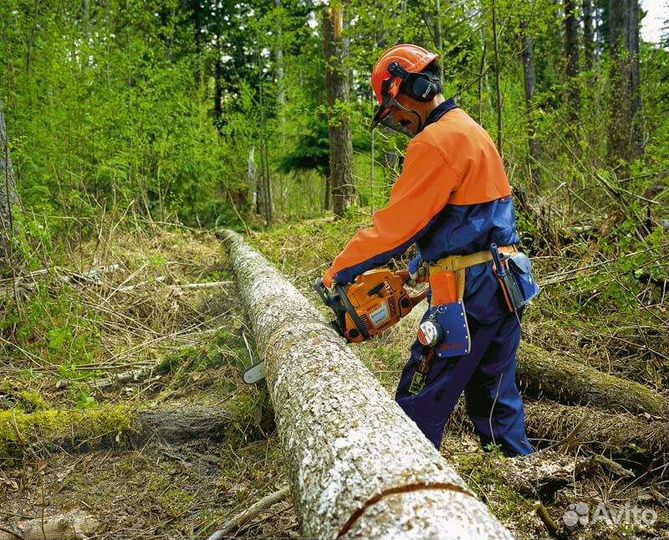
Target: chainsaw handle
<point>321,290</point>
<point>417,299</point>
<point>406,277</point>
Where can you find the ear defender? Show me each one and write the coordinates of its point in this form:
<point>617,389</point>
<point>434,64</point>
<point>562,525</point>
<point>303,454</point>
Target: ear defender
<point>418,86</point>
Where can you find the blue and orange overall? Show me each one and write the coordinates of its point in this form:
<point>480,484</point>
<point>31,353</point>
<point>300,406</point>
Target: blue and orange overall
<point>453,198</point>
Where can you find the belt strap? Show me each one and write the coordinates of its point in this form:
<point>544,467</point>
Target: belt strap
<point>460,263</point>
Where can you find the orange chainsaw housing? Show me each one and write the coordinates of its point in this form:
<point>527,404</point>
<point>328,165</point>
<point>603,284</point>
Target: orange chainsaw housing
<point>380,301</point>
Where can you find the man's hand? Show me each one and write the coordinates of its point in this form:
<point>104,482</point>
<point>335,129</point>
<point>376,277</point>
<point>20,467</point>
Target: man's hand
<point>417,270</point>
<point>328,278</point>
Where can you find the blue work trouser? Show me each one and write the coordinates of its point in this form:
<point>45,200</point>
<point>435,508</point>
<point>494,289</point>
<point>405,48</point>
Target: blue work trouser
<point>488,377</point>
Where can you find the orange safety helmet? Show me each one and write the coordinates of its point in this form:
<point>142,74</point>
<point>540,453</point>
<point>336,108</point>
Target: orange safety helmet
<point>394,67</point>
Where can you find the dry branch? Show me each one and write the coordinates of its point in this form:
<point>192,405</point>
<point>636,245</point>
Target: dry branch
<point>358,466</point>
<point>569,381</point>
<point>29,281</point>
<point>250,513</point>
<point>73,525</point>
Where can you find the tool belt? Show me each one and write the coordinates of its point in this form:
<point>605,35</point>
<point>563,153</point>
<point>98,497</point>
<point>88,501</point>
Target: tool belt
<point>445,327</point>
<point>458,264</point>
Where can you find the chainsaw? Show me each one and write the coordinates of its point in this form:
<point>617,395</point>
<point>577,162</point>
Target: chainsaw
<point>374,302</point>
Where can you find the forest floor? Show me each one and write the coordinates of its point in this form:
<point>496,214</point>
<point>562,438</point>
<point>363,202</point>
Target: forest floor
<point>90,357</point>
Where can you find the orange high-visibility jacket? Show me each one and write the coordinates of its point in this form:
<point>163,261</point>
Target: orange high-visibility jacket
<point>451,167</point>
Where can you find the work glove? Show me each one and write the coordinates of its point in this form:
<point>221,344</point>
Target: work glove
<point>417,269</point>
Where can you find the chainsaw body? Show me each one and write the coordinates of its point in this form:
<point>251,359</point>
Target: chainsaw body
<point>374,302</point>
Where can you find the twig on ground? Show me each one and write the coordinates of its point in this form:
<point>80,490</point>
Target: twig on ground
<point>547,520</point>
<point>250,513</point>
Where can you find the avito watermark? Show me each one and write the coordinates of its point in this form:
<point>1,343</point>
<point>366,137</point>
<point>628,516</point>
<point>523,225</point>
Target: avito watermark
<point>584,514</point>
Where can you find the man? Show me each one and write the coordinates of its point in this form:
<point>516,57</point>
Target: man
<point>452,199</point>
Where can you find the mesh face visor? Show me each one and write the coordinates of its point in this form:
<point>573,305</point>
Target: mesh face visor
<point>384,117</point>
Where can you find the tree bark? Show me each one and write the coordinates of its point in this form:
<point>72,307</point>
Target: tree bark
<point>265,192</point>
<point>623,436</point>
<point>588,35</point>
<point>358,466</point>
<point>547,374</point>
<point>339,122</point>
<point>196,10</point>
<point>625,137</point>
<point>8,195</point>
<point>498,82</point>
<point>530,84</point>
<point>571,53</point>
<point>438,40</point>
<point>218,84</point>
<point>280,69</point>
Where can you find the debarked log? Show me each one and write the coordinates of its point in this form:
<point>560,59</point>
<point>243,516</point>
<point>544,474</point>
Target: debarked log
<point>358,466</point>
<point>76,524</point>
<point>543,373</point>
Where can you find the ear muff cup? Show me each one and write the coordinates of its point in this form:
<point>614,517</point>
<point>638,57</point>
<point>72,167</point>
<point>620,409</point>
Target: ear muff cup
<point>418,86</point>
<point>421,87</point>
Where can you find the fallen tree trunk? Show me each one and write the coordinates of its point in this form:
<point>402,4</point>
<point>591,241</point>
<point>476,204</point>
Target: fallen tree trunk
<point>358,466</point>
<point>620,435</point>
<point>83,429</point>
<point>545,374</point>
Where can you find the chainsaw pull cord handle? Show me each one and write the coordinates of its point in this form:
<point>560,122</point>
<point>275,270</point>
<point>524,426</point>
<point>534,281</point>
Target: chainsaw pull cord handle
<point>351,310</point>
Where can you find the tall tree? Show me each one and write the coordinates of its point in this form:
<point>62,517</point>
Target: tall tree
<point>625,137</point>
<point>498,82</point>
<point>264,193</point>
<point>588,35</point>
<point>527,53</point>
<point>8,195</point>
<point>572,54</point>
<point>339,122</point>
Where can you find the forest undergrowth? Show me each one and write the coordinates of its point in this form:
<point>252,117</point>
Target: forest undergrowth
<point>145,321</point>
<point>141,328</point>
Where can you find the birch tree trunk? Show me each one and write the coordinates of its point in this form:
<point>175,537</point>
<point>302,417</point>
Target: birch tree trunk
<point>339,122</point>
<point>8,195</point>
<point>358,466</point>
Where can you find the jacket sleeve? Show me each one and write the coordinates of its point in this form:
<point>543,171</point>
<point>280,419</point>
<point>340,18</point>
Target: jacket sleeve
<point>419,195</point>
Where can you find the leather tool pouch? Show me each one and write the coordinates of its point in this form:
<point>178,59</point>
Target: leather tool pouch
<point>448,311</point>
<point>519,269</point>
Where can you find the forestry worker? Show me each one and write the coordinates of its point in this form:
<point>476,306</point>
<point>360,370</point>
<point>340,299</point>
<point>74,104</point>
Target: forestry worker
<point>453,200</point>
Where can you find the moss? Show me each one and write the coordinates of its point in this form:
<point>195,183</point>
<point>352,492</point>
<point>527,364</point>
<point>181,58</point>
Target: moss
<point>224,347</point>
<point>20,431</point>
<point>482,474</point>
<point>253,417</point>
<point>31,401</point>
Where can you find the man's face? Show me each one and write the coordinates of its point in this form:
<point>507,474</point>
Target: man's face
<point>406,116</point>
